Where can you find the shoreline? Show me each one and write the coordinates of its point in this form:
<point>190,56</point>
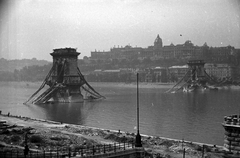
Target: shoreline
<point>153,144</point>
<point>111,130</point>
<point>143,85</point>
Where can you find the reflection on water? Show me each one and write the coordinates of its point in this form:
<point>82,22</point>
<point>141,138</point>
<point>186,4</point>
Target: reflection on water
<point>75,113</point>
<point>192,116</point>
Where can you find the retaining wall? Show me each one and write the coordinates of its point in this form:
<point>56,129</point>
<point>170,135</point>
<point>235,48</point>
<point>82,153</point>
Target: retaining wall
<point>231,125</point>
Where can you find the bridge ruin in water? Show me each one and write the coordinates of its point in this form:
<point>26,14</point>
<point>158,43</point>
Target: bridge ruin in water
<point>65,80</point>
<point>195,78</point>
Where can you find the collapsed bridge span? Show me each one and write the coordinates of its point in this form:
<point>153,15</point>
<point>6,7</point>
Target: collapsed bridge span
<point>65,80</point>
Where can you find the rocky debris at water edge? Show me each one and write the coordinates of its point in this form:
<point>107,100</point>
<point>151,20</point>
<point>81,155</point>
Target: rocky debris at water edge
<point>46,135</point>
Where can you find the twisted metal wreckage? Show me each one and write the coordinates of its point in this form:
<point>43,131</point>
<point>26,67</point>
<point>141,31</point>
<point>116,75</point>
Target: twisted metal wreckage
<point>196,78</point>
<point>65,80</point>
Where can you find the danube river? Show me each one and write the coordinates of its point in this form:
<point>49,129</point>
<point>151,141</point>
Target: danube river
<point>189,116</point>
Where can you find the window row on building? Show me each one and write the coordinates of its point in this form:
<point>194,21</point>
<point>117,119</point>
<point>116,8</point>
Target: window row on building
<point>180,51</point>
<point>162,74</point>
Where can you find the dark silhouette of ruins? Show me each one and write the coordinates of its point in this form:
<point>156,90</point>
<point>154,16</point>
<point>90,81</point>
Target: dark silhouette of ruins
<point>65,80</point>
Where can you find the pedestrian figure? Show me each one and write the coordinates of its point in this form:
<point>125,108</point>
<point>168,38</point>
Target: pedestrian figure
<point>26,150</point>
<point>8,114</point>
<point>84,142</point>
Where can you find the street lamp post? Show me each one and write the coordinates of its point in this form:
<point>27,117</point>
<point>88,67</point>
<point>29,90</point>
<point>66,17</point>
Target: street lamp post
<point>138,142</point>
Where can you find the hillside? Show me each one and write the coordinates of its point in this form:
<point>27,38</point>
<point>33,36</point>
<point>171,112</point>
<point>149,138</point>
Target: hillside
<point>11,65</point>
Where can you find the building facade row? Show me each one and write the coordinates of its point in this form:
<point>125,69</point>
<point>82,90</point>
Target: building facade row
<point>186,51</point>
<point>163,74</point>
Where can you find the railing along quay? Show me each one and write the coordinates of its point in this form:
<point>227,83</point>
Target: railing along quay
<point>85,151</point>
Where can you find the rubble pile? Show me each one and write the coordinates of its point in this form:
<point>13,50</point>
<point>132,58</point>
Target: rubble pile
<point>41,139</point>
<point>44,135</point>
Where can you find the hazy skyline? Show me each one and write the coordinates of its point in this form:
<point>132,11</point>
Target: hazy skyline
<point>33,28</point>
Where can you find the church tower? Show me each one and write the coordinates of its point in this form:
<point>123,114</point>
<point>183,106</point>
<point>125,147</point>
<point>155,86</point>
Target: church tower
<point>158,43</point>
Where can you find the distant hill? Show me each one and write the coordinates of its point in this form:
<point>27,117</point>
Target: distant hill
<point>11,65</point>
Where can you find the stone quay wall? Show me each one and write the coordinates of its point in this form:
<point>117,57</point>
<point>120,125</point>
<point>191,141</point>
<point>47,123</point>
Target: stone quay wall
<point>231,125</point>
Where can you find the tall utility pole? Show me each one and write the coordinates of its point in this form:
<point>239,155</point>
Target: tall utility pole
<point>138,142</point>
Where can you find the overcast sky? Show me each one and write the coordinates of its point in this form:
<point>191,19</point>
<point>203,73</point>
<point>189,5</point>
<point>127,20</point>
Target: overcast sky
<point>33,28</point>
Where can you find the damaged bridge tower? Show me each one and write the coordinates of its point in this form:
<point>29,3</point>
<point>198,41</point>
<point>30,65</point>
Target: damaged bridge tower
<point>66,82</point>
<point>65,75</point>
<point>197,69</point>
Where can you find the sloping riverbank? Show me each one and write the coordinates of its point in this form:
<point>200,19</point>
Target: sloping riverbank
<point>45,135</point>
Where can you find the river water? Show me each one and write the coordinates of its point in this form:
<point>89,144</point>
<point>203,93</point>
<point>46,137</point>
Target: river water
<point>189,116</point>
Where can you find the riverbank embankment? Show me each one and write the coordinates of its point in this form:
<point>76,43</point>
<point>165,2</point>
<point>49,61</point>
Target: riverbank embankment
<point>45,134</point>
<point>157,85</point>
<point>133,84</point>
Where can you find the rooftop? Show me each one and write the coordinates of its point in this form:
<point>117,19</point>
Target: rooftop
<point>65,52</point>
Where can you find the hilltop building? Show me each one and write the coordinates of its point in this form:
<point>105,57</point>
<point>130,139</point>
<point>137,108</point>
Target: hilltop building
<point>186,51</point>
<point>221,62</point>
<point>129,52</point>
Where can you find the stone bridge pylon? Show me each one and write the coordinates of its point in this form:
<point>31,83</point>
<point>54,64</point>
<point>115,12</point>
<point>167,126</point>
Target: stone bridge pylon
<point>66,82</point>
